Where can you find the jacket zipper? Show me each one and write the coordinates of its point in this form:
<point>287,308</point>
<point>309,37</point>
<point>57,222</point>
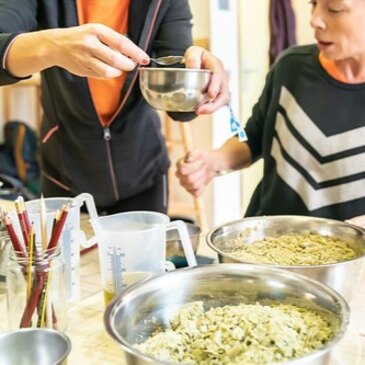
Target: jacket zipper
<point>107,134</point>
<point>107,138</point>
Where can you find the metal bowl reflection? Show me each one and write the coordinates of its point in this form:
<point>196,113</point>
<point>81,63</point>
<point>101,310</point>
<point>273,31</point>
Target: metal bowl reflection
<point>173,89</point>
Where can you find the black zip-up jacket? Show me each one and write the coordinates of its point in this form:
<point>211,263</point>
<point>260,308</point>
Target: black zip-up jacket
<point>77,153</point>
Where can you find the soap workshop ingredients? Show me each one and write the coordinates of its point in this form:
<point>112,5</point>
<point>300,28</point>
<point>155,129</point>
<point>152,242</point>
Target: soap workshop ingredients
<point>291,249</point>
<point>252,334</point>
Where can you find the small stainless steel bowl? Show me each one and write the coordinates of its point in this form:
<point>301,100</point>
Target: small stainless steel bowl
<point>173,242</point>
<point>34,346</point>
<point>342,276</point>
<point>173,89</point>
<point>174,250</point>
<point>134,315</point>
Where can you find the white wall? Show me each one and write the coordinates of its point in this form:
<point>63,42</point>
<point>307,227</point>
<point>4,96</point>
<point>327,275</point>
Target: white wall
<point>225,44</point>
<point>255,39</point>
<point>302,10</point>
<point>254,64</point>
<point>201,21</point>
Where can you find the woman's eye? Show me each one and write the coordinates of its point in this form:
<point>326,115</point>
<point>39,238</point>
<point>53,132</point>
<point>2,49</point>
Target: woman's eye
<point>332,10</point>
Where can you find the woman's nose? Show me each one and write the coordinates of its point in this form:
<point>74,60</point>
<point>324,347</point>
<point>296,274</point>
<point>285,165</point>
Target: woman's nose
<point>317,20</point>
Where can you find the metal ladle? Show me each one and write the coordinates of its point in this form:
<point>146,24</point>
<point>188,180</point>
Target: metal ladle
<point>168,61</point>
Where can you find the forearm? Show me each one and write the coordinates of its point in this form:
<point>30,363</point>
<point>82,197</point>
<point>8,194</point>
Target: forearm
<point>232,155</point>
<point>30,53</point>
<point>89,50</point>
<point>358,221</point>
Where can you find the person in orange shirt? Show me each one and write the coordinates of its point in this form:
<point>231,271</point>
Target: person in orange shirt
<point>98,134</point>
<point>308,126</point>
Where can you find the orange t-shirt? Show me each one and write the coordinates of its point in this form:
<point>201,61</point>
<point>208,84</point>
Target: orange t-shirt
<point>331,68</point>
<point>113,13</point>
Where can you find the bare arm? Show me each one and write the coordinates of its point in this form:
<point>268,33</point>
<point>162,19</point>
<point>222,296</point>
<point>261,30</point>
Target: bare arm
<point>233,155</point>
<point>91,50</point>
<point>198,168</point>
<point>358,221</point>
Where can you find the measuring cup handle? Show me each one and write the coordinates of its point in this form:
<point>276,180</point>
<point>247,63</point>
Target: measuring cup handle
<point>86,243</point>
<point>90,203</point>
<point>185,240</point>
<point>83,241</point>
<point>168,266</point>
<point>93,214</point>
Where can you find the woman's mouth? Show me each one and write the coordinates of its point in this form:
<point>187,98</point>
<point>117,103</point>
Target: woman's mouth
<point>323,46</point>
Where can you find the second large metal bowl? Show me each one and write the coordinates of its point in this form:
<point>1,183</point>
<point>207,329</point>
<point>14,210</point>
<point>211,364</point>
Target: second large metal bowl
<point>143,307</point>
<point>173,89</point>
<point>342,276</point>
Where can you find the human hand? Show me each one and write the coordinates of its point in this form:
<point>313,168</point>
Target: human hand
<point>357,221</point>
<point>94,50</point>
<point>217,93</point>
<point>195,171</point>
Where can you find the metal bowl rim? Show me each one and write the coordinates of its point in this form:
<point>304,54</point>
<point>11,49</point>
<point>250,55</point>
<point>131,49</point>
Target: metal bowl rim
<point>227,224</point>
<point>338,299</point>
<point>195,227</point>
<point>172,69</point>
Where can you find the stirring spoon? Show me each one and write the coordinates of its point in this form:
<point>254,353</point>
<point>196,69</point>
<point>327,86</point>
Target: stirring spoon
<point>168,60</point>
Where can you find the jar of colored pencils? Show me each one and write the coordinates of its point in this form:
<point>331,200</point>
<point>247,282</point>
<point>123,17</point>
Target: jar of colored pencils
<point>5,245</point>
<point>36,289</point>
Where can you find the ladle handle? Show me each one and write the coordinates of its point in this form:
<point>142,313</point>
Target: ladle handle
<point>185,240</point>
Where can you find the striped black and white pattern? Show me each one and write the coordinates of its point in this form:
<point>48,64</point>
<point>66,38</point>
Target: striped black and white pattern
<point>322,170</point>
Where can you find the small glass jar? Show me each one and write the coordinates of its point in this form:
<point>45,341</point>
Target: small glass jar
<point>36,290</point>
<point>4,257</point>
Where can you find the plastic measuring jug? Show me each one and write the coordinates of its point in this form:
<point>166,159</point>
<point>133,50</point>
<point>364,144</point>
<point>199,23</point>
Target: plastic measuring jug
<point>132,247</point>
<point>72,236</point>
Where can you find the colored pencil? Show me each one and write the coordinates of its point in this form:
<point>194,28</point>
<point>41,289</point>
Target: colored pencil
<point>18,248</point>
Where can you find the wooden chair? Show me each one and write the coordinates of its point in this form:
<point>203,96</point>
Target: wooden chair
<point>33,84</point>
<point>176,207</point>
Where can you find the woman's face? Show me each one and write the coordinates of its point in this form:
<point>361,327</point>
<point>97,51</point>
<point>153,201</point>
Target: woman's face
<point>339,28</point>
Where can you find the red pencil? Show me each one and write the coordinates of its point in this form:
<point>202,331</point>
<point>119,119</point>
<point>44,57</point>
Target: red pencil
<point>23,225</point>
<point>25,213</point>
<point>13,237</point>
<point>58,228</point>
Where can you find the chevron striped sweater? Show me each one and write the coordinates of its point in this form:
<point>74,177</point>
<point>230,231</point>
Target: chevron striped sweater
<point>310,130</point>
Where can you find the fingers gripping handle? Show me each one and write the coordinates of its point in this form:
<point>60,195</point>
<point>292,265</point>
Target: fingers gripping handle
<point>185,240</point>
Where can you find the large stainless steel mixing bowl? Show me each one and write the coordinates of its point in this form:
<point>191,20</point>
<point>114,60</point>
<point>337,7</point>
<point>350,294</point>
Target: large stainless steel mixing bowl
<point>173,89</point>
<point>343,276</point>
<point>130,317</point>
